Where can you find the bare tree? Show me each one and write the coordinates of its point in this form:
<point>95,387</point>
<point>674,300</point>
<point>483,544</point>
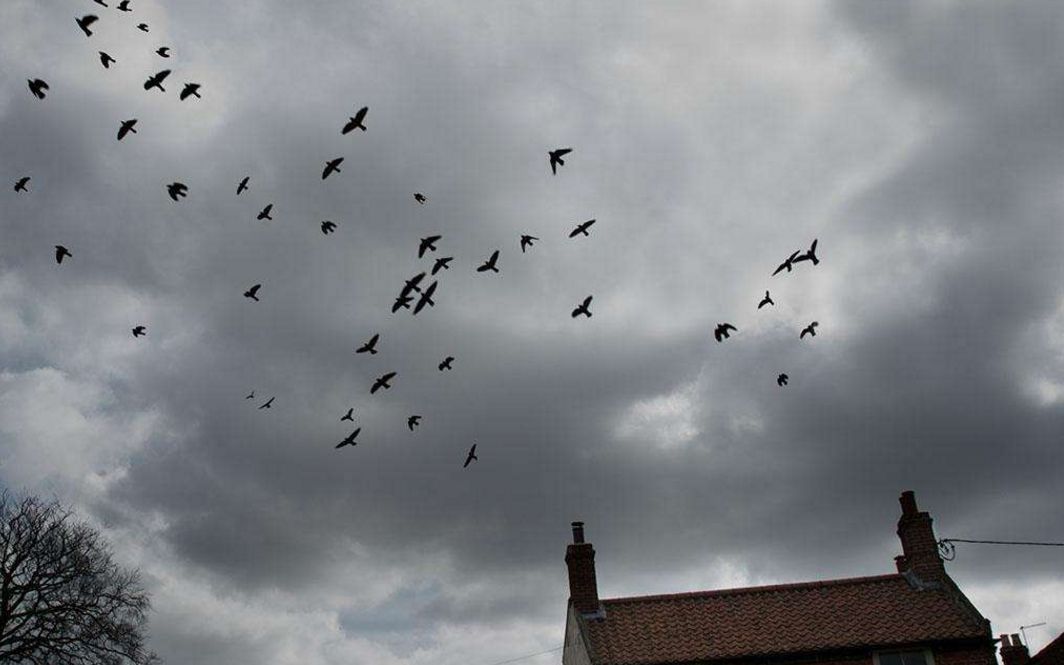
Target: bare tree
<point>63,600</point>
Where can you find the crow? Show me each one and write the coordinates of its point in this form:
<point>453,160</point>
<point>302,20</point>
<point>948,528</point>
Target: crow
<point>767,300</point>
<point>441,264</point>
<point>356,121</point>
<point>470,456</point>
<point>124,6</point>
<point>412,284</point>
<point>106,60</point>
<point>369,347</point>
<point>251,395</point>
<point>526,241</point>
<point>268,404</point>
<point>243,185</point>
<point>37,87</point>
<point>350,415</point>
<point>427,244</point>
<point>490,263</point>
<point>143,27</point>
<point>788,264</point>
<point>582,228</point>
<point>190,90</point>
<point>350,440</point>
<point>782,379</point>
<point>401,302</point>
<point>809,330</point>
<point>426,298</point>
<point>253,292</point>
<point>382,382</point>
<point>583,308</point>
<point>420,198</point>
<point>156,80</point>
<point>127,127</point>
<point>722,331</point>
<point>328,227</point>
<point>140,330</point>
<point>20,184</point>
<point>85,21</point>
<point>265,213</point>
<point>446,364</point>
<point>331,166</point>
<point>163,51</point>
<point>100,2</point>
<point>177,190</point>
<point>61,252</point>
<point>809,255</point>
<point>556,158</point>
<point>412,422</point>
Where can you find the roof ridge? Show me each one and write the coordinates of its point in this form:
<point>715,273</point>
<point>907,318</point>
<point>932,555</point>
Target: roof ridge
<point>757,589</point>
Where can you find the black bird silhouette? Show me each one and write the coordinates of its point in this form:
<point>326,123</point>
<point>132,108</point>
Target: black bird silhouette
<point>163,51</point>
<point>265,213</point>
<point>470,456</point>
<point>243,185</point>
<point>382,382</point>
<point>356,121</point>
<point>106,60</point>
<point>140,330</point>
<point>331,166</point>
<point>369,347</point>
<point>177,190</point>
<point>143,27</point>
<point>251,395</point>
<point>37,87</point>
<point>420,198</point>
<point>328,227</point>
<point>767,300</point>
<point>350,440</point>
<point>85,21</point>
<point>401,302</point>
<point>412,422</point>
<point>490,263</point>
<point>782,379</point>
<point>526,241</point>
<point>722,331</point>
<point>427,244</point>
<point>100,2</point>
<point>441,264</point>
<point>156,80</point>
<point>127,127</point>
<point>20,184</point>
<point>809,330</point>
<point>556,158</point>
<point>61,252</point>
<point>350,415</point>
<point>412,284</point>
<point>810,255</point>
<point>582,228</point>
<point>788,264</point>
<point>124,6</point>
<point>253,292</point>
<point>190,90</point>
<point>583,308</point>
<point>426,298</point>
<point>267,404</point>
<point>446,364</point>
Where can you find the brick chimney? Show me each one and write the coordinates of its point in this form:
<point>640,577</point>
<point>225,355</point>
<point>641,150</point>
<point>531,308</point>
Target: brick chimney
<point>580,559</point>
<point>1013,652</point>
<point>918,542</point>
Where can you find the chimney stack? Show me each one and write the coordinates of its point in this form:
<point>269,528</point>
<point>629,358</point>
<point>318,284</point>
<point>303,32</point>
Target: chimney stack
<point>1013,652</point>
<point>918,542</point>
<point>580,559</point>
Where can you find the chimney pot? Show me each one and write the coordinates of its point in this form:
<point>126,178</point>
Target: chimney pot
<point>1016,640</point>
<point>578,532</point>
<point>1012,651</point>
<point>908,503</point>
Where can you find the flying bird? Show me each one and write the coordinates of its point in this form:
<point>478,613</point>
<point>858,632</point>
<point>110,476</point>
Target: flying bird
<point>556,158</point>
<point>163,51</point>
<point>156,80</point>
<point>243,185</point>
<point>85,21</point>
<point>190,90</point>
<point>441,264</point>
<point>426,298</point>
<point>251,395</point>
<point>106,60</point>
<point>427,244</point>
<point>356,121</point>
<point>490,263</point>
<point>267,404</point>
<point>767,300</point>
<point>446,364</point>
<point>412,284</point>
<point>140,330</point>
<point>788,264</point>
<point>20,184</point>
<point>350,440</point>
<point>582,228</point>
<point>412,422</point>
<point>265,212</point>
<point>782,379</point>
<point>420,198</point>
<point>100,2</point>
<point>143,27</point>
<point>331,166</point>
<point>401,302</point>
<point>124,6</point>
<point>470,456</point>
<point>350,415</point>
<point>809,330</point>
<point>177,190</point>
<point>370,347</point>
<point>37,87</point>
<point>810,255</point>
<point>253,292</point>
<point>126,127</point>
<point>382,382</point>
<point>526,241</point>
<point>722,331</point>
<point>61,252</point>
<point>583,308</point>
<point>328,227</point>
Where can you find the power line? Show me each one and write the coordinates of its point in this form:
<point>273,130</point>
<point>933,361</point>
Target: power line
<point>949,552</point>
<point>531,655</point>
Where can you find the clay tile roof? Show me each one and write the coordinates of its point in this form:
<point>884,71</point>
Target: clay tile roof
<point>1052,654</point>
<point>775,620</point>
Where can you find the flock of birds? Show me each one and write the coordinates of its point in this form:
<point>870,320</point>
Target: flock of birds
<point>415,284</point>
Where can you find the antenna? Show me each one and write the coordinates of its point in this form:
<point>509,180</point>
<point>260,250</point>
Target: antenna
<point>1032,625</point>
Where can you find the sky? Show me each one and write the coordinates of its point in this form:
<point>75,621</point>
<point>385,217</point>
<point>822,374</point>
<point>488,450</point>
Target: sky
<point>918,141</point>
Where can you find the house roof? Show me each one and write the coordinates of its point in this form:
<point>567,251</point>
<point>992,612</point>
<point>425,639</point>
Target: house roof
<point>776,620</point>
<point>1051,654</point>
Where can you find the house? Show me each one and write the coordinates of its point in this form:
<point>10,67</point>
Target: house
<point>1014,652</point>
<point>916,616</point>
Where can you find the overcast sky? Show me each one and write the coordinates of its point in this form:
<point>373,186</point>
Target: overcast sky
<point>920,142</point>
